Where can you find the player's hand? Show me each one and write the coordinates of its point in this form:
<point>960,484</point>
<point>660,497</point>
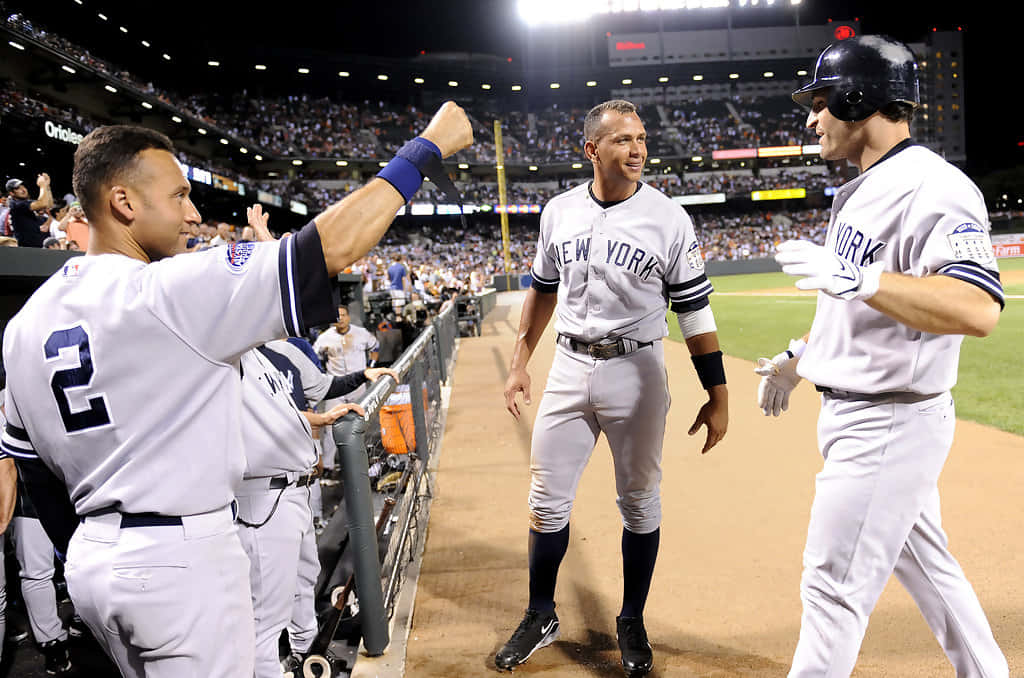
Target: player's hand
<point>822,269</point>
<point>778,379</point>
<point>339,411</point>
<point>375,373</point>
<point>715,415</point>
<point>518,381</point>
<point>449,129</point>
<point>43,180</point>
<point>255,217</point>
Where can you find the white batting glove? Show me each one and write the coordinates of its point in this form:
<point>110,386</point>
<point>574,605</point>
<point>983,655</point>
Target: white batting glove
<point>778,379</point>
<point>822,269</point>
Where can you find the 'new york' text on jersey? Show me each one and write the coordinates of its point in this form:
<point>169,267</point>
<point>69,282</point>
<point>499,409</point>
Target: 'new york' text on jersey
<point>616,267</point>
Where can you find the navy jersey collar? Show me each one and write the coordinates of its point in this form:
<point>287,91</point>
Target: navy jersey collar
<point>605,204</point>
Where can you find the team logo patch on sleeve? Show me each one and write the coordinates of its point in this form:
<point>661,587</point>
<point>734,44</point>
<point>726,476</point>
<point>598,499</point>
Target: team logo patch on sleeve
<point>695,258</point>
<point>237,255</point>
<point>969,241</point>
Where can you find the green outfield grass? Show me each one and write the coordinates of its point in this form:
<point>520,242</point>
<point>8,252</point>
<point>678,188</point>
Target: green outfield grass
<point>990,389</point>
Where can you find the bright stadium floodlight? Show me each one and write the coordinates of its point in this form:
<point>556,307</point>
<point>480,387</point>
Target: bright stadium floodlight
<point>539,12</point>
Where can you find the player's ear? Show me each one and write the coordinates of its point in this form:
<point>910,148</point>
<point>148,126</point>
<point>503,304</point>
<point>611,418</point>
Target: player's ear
<point>121,204</point>
<point>590,149</point>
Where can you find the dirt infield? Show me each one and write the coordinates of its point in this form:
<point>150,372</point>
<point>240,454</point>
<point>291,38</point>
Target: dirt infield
<point>725,599</point>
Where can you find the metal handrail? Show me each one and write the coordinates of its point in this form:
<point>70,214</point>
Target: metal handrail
<point>349,436</point>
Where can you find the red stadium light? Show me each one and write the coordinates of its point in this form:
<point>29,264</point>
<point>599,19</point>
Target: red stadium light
<point>844,32</point>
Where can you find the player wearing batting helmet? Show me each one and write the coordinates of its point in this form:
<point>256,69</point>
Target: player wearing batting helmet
<point>907,269</point>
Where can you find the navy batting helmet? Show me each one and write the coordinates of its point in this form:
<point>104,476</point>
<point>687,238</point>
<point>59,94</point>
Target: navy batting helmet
<point>865,73</point>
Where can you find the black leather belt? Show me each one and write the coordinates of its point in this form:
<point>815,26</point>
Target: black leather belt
<point>603,350</point>
<point>138,519</point>
<point>281,482</point>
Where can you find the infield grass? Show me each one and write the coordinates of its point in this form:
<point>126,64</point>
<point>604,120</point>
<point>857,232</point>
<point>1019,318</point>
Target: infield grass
<point>990,388</point>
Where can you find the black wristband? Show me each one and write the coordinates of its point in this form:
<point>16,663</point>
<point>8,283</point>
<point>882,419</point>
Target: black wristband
<point>710,369</point>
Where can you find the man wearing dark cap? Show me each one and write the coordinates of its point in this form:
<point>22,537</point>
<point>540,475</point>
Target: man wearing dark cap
<point>29,228</point>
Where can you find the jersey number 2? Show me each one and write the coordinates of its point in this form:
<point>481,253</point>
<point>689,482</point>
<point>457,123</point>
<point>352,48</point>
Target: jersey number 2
<point>75,377</point>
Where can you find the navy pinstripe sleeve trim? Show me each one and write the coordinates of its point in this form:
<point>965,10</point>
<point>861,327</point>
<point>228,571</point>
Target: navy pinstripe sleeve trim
<point>542,284</point>
<point>546,281</point>
<point>689,306</point>
<point>15,442</point>
<point>544,287</point>
<point>976,275</point>
<point>305,286</point>
<point>679,287</point>
<point>693,293</point>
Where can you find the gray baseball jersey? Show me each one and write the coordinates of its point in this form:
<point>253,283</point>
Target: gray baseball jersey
<point>887,426</point>
<point>345,353</point>
<point>123,377</point>
<point>276,437</point>
<point>616,268</point>
<point>921,216</point>
<point>307,383</point>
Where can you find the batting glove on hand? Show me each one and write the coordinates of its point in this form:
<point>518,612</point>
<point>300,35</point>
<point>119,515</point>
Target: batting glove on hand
<point>822,269</point>
<point>778,379</point>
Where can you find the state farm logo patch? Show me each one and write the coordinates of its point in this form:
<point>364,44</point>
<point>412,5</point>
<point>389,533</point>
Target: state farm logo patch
<point>237,255</point>
<point>970,242</point>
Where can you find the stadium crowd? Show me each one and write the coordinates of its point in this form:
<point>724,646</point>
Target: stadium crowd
<point>307,126</point>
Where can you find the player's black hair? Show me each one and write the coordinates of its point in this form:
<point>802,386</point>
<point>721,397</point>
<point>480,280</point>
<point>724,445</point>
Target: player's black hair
<point>107,153</point>
<point>898,111</point>
<point>592,123</point>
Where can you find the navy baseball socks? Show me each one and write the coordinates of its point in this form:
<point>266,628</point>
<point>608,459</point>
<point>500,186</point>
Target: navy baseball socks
<point>539,627</point>
<point>639,553</point>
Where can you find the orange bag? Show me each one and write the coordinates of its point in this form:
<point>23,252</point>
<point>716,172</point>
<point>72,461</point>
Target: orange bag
<point>397,430</point>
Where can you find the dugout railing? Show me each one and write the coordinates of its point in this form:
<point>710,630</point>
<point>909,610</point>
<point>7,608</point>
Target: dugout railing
<point>384,492</point>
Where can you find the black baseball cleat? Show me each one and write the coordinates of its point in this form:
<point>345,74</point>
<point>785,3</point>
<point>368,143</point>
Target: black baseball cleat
<point>538,629</point>
<point>57,662</point>
<point>637,658</point>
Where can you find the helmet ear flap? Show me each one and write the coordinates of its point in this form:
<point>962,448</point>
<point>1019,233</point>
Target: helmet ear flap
<point>851,102</point>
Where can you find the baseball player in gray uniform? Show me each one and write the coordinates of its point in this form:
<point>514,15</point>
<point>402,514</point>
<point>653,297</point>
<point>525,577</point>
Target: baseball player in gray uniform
<point>124,404</point>
<point>906,271</point>
<point>276,524</point>
<point>612,254</point>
